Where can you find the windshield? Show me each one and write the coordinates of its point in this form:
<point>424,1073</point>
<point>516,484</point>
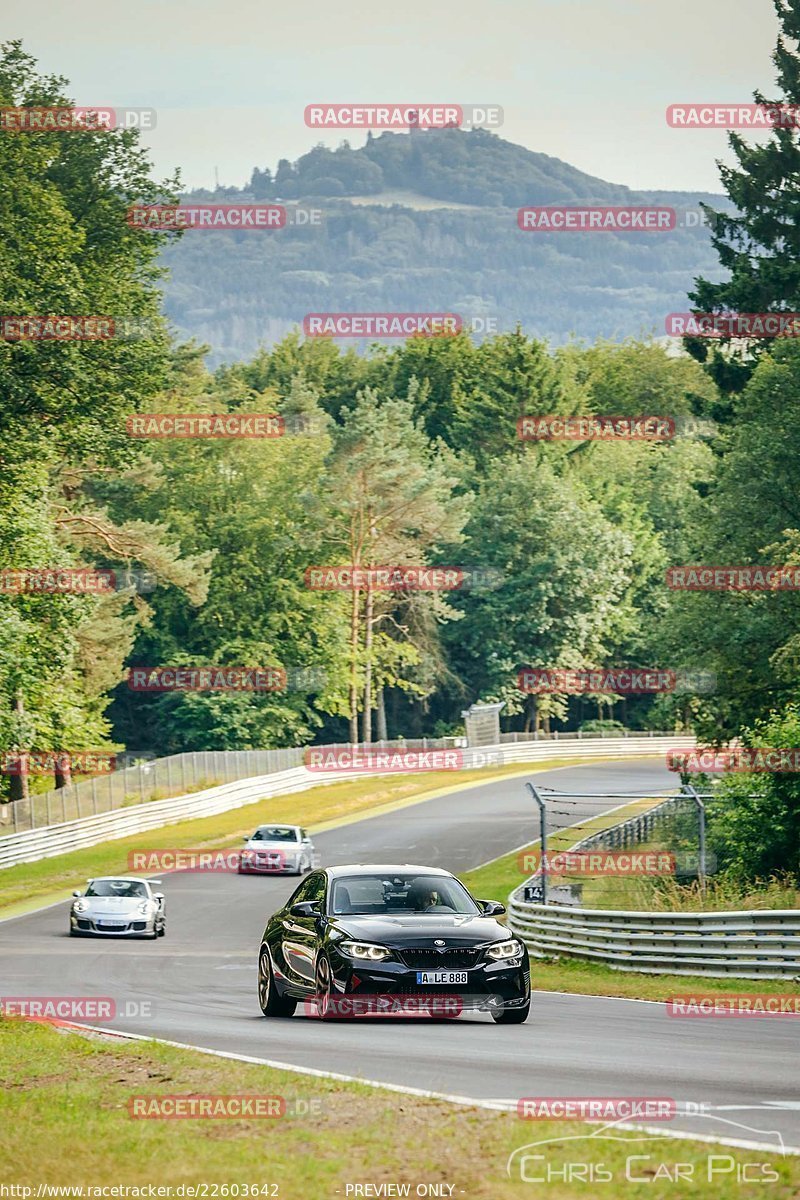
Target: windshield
<point>117,887</point>
<point>401,894</point>
<point>275,833</point>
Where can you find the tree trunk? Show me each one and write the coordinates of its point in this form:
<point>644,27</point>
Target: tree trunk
<point>383,735</point>
<point>354,631</point>
<point>63,770</point>
<point>368,616</point>
<point>18,788</point>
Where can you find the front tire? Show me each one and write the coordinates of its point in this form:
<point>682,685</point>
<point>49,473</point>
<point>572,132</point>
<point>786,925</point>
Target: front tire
<point>271,1003</point>
<point>322,988</point>
<point>512,1016</point>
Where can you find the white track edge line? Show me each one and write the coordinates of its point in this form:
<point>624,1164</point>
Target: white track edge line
<point>423,1093</point>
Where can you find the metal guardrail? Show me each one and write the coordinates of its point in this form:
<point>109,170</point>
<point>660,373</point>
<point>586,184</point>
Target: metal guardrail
<point>762,944</point>
<point>32,845</point>
<point>149,778</point>
<point>758,944</point>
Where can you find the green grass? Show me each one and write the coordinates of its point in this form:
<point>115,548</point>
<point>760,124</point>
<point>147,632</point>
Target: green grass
<point>65,1120</point>
<point>31,885</point>
<point>494,880</point>
<point>654,893</point>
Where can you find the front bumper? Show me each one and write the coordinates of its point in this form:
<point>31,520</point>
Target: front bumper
<point>488,986</point>
<point>137,926</point>
<point>258,864</point>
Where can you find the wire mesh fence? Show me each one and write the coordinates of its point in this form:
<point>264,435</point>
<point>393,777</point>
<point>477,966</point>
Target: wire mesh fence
<point>159,778</point>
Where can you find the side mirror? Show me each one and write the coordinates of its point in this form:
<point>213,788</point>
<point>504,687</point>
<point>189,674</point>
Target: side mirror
<point>76,893</point>
<point>245,839</point>
<point>492,908</point>
<point>306,908</point>
<point>159,896</point>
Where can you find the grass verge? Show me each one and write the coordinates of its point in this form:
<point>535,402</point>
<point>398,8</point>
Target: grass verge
<point>494,880</point>
<point>65,1121</point>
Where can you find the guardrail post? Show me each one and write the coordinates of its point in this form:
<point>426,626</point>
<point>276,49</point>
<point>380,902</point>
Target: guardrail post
<point>542,836</point>
<point>689,791</point>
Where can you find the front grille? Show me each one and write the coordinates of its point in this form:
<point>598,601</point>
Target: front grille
<point>449,959</point>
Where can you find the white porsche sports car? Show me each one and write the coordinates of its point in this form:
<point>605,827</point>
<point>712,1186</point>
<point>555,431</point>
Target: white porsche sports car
<point>118,907</point>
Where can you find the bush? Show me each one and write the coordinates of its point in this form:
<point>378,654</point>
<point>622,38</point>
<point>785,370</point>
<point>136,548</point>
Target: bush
<point>598,726</point>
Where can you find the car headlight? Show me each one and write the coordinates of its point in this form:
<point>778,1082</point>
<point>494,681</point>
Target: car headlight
<point>80,906</point>
<point>501,950</point>
<point>364,950</point>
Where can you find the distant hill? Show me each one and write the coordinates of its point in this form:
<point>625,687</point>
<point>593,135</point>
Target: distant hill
<point>389,242</point>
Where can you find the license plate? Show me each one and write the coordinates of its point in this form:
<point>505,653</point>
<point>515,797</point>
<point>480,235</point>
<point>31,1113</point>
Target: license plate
<point>111,924</point>
<point>441,976</point>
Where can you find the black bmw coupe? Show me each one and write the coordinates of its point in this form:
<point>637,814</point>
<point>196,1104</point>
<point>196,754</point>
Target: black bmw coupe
<point>365,939</point>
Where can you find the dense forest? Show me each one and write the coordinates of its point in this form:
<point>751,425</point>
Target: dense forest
<point>405,454</point>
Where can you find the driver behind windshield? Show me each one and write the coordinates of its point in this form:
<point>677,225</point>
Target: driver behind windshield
<point>422,898</point>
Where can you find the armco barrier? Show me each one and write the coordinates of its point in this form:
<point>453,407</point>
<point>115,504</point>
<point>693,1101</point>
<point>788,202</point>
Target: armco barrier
<point>35,844</point>
<point>742,945</point>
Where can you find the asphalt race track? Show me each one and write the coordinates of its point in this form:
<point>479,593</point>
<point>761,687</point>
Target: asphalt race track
<point>197,985</point>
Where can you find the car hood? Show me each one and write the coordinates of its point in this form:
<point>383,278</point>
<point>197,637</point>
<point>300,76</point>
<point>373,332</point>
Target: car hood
<point>111,905</point>
<point>285,847</point>
<point>421,930</point>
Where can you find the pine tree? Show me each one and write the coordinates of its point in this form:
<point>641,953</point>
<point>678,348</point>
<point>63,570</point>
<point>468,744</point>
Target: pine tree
<point>760,246</point>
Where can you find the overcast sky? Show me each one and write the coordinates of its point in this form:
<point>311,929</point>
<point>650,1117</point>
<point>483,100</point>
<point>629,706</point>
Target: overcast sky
<point>584,80</point>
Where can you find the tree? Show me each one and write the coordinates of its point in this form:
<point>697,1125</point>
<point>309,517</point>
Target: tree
<point>750,639</point>
<point>68,250</point>
<point>759,245</point>
<point>395,506</point>
<point>563,573</point>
